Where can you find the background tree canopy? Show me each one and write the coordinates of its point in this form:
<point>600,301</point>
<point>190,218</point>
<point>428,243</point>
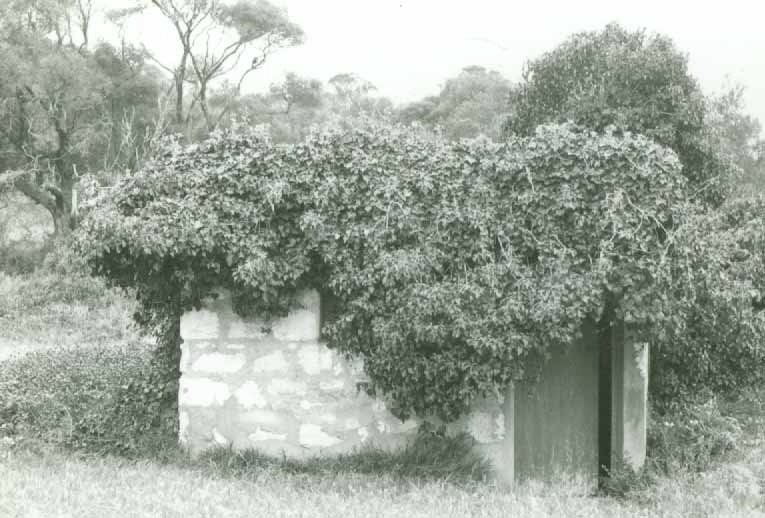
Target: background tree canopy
<point>473,103</point>
<point>631,80</point>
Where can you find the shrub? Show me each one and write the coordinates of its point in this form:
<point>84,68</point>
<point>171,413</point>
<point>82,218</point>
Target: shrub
<point>18,260</point>
<point>689,437</point>
<point>635,81</point>
<point>683,437</point>
<point>97,399</point>
<point>713,290</point>
<point>455,267</point>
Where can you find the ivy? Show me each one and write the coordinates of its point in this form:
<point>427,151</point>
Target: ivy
<point>710,339</point>
<point>454,268</point>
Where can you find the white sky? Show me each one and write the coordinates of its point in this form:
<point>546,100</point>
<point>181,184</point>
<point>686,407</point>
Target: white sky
<point>407,48</point>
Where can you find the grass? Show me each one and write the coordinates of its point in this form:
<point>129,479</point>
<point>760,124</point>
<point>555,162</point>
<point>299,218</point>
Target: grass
<point>429,479</point>
<point>46,310</point>
<point>53,485</point>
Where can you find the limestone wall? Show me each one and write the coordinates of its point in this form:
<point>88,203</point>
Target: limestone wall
<point>274,387</point>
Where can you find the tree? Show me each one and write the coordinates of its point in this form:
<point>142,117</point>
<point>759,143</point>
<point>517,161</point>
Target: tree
<point>63,108</point>
<point>631,80</point>
<point>293,107</point>
<point>215,37</point>
<point>736,135</point>
<point>351,97</point>
<point>471,104</point>
<point>50,98</point>
<point>297,92</point>
<point>133,114</point>
<point>67,22</point>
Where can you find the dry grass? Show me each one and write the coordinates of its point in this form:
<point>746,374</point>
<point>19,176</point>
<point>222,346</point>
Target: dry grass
<point>40,312</point>
<point>53,485</point>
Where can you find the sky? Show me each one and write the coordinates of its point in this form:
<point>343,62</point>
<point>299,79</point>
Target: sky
<point>408,48</point>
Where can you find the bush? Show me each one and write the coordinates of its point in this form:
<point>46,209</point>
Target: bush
<point>690,437</point>
<point>456,267</point>
<point>714,293</point>
<point>18,260</point>
<point>687,437</point>
<point>96,399</point>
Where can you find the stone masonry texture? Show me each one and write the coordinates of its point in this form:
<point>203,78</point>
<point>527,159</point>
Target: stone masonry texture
<point>274,387</point>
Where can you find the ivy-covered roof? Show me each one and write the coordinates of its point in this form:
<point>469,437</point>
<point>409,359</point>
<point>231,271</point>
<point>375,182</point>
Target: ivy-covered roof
<point>456,267</point>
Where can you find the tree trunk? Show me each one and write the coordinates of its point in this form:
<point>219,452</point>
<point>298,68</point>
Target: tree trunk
<point>179,100</point>
<point>62,216</point>
<point>203,106</point>
<point>61,223</point>
<point>179,77</point>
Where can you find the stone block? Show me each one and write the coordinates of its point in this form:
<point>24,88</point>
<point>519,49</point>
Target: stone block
<point>219,438</point>
<point>312,436</point>
<point>249,395</point>
<point>245,329</point>
<point>261,417</point>
<point>307,405</point>
<point>334,385</point>
<point>282,386</point>
<point>315,358</point>
<point>219,363</point>
<point>260,435</point>
<point>274,362</point>
<point>199,325</point>
<point>202,392</point>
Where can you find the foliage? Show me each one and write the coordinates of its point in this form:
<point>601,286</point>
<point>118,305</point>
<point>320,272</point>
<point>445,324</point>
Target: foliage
<point>297,106</point>
<point>690,437</point>
<point>50,104</point>
<point>736,135</point>
<point>455,268</point>
<point>215,39</point>
<point>65,109</point>
<point>471,104</point>
<point>714,293</point>
<point>132,116</point>
<point>705,332</point>
<point>82,398</point>
<point>635,81</point>
<point>20,260</point>
<point>23,234</point>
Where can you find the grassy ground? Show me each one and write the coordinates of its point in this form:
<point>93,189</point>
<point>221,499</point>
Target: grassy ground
<point>42,311</point>
<point>38,481</point>
<point>54,485</point>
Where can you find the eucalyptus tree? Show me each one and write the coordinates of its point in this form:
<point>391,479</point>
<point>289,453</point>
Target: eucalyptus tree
<point>63,105</point>
<point>472,103</point>
<point>216,40</point>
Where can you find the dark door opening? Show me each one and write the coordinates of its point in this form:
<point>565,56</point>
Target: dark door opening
<point>605,380</point>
